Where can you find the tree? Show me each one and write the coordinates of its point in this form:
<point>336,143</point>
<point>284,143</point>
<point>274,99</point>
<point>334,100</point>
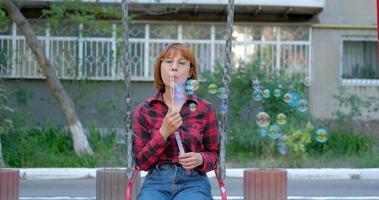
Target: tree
<point>81,145</point>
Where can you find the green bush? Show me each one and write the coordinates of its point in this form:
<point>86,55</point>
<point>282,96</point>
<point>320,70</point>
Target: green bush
<point>110,149</point>
<point>297,144</point>
<point>5,110</point>
<point>51,146</point>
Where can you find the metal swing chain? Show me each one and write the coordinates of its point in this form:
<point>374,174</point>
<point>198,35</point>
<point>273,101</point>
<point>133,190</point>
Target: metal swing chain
<point>127,80</point>
<point>226,79</point>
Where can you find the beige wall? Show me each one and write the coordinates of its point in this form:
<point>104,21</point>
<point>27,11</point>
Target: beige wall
<point>326,50</point>
<point>356,17</point>
<point>100,102</point>
<point>349,12</point>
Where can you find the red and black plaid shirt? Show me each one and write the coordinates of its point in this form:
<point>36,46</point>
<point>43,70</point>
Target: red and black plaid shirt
<point>199,133</point>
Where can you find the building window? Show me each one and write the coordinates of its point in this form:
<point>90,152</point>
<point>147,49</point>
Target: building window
<point>360,61</point>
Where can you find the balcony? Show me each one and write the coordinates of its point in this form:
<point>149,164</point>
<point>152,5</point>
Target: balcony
<point>199,10</point>
<point>92,54</point>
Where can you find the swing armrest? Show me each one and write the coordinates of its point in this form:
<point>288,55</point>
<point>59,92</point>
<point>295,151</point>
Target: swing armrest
<point>220,184</point>
<point>129,188</point>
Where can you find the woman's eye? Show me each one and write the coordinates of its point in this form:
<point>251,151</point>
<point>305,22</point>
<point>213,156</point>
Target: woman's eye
<point>169,61</point>
<point>182,62</point>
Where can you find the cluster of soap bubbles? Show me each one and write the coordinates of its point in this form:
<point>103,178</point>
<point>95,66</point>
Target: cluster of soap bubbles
<point>192,85</point>
<point>274,131</point>
<point>263,119</point>
<point>291,98</point>
<point>271,126</point>
<point>221,93</point>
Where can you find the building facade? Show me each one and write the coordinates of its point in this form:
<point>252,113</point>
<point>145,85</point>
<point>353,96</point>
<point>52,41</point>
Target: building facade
<point>332,42</point>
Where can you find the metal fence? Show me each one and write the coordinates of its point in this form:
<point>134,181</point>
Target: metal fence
<point>78,52</point>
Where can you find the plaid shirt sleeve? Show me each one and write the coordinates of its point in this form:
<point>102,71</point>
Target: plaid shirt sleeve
<point>210,142</point>
<point>148,144</point>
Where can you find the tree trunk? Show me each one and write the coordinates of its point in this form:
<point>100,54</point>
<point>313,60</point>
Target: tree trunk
<point>81,145</point>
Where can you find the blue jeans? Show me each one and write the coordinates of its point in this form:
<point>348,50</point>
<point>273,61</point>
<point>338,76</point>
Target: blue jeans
<point>173,182</point>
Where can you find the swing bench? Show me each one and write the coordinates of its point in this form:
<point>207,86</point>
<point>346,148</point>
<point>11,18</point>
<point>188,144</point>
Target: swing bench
<point>219,170</point>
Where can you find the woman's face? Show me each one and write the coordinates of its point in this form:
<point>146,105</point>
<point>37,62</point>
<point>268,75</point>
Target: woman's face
<point>175,66</point>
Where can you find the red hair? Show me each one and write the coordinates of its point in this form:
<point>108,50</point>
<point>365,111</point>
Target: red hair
<point>166,52</point>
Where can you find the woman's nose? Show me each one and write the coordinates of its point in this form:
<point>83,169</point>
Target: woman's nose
<point>174,67</point>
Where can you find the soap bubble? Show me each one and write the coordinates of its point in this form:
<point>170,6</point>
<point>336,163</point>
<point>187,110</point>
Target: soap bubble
<point>262,119</point>
<point>193,84</point>
<point>257,95</point>
<point>212,88</point>
<point>281,119</point>
<point>256,84</point>
<point>283,149</point>
<point>321,135</point>
<point>274,131</point>
<point>294,99</point>
<point>262,132</point>
<point>188,88</point>
<point>192,107</point>
<point>277,93</point>
<point>307,81</point>
<point>189,92</point>
<point>223,108</point>
<point>221,93</point>
<point>179,88</point>
<point>287,97</point>
<point>266,93</point>
<point>180,97</point>
<point>303,105</point>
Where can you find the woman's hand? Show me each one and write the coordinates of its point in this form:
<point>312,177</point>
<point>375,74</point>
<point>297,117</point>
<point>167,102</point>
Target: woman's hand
<point>190,160</point>
<point>171,123</point>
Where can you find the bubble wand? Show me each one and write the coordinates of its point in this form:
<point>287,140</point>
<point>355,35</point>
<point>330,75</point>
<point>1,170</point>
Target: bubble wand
<point>177,136</point>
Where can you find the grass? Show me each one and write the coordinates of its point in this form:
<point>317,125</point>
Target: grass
<point>51,146</point>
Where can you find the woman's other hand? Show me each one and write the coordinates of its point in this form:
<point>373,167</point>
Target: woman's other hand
<point>171,123</point>
<point>190,160</point>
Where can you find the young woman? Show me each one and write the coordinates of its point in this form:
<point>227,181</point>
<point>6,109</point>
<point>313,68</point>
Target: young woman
<point>171,174</point>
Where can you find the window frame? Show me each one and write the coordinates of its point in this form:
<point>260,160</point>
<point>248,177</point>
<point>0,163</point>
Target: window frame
<point>356,81</point>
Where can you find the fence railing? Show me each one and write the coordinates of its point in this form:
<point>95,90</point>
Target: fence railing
<point>100,58</point>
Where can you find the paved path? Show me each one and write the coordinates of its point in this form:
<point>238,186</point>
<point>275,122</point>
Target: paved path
<point>84,189</point>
